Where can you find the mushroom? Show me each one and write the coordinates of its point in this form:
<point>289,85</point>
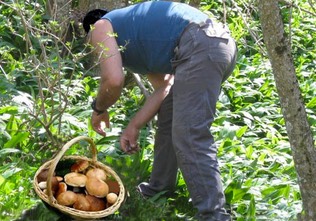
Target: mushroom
<point>114,186</point>
<point>75,179</point>
<point>111,198</point>
<point>82,203</point>
<point>42,176</point>
<point>55,184</point>
<point>97,187</point>
<point>59,178</point>
<point>96,204</point>
<point>43,185</point>
<point>97,173</point>
<point>79,166</point>
<point>67,198</point>
<point>62,187</point>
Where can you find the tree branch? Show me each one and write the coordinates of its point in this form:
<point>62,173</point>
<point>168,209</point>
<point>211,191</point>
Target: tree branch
<point>141,85</point>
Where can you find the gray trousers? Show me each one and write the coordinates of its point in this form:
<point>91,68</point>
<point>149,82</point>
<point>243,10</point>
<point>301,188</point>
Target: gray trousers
<point>204,59</point>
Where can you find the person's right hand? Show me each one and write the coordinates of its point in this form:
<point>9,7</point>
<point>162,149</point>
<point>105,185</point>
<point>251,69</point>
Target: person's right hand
<point>96,122</point>
<point>128,140</point>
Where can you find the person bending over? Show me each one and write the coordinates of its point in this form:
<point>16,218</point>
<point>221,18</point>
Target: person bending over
<point>186,56</point>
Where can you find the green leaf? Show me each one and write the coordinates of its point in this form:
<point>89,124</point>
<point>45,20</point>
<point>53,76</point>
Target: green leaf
<point>311,103</point>
<point>240,132</point>
<point>249,152</point>
<point>240,193</point>
<point>16,139</point>
<point>1,180</point>
<point>251,213</point>
<point>10,172</point>
<point>107,140</point>
<point>276,192</point>
<point>8,151</point>
<point>9,110</point>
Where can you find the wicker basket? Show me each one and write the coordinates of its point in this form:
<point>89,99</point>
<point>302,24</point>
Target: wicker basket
<point>78,214</point>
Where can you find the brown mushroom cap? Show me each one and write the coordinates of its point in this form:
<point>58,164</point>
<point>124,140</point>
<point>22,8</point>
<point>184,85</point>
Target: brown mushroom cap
<point>97,187</point>
<point>96,204</point>
<point>79,166</point>
<point>55,183</point>
<point>82,203</point>
<point>97,173</point>
<point>67,198</point>
<point>111,198</point>
<point>75,179</point>
<point>42,176</point>
<point>114,186</point>
<point>62,187</point>
<point>59,178</point>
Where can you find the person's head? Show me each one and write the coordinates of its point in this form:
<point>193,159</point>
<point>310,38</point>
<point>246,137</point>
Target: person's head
<point>92,17</point>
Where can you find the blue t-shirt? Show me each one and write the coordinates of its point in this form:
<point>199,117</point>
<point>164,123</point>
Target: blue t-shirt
<point>150,31</point>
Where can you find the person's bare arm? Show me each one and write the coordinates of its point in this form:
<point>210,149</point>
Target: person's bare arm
<point>162,85</point>
<point>111,76</point>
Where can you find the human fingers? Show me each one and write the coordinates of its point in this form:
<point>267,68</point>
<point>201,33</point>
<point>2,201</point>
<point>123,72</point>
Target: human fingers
<point>127,147</point>
<point>106,119</point>
<point>133,149</point>
<point>99,130</point>
<point>124,143</point>
<point>96,124</point>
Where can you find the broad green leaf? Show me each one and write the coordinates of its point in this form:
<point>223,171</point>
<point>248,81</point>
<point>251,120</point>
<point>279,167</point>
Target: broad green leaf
<point>10,172</point>
<point>312,103</point>
<point>247,115</point>
<point>249,152</point>
<point>9,110</point>
<point>107,140</point>
<point>239,194</point>
<point>24,99</point>
<point>1,180</point>
<point>251,213</point>
<point>8,151</point>
<point>240,132</point>
<point>16,139</point>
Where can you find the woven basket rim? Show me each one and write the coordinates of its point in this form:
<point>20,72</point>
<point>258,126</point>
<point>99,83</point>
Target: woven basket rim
<point>79,213</point>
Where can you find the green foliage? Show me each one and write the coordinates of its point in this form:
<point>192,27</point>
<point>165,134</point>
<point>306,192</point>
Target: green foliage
<point>46,87</point>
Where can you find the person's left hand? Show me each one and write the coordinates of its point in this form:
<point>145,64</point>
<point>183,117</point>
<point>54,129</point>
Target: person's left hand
<point>128,140</point>
<point>96,122</point>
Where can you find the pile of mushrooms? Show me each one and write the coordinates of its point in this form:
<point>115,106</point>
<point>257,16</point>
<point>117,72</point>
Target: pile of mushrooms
<point>84,188</point>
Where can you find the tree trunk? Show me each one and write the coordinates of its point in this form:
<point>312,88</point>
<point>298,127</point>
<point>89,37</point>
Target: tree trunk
<point>87,5</point>
<point>195,3</point>
<point>293,109</point>
<point>65,11</point>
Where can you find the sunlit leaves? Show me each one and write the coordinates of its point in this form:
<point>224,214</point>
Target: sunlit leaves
<point>17,139</point>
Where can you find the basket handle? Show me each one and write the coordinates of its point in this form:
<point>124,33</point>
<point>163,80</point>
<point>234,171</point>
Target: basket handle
<point>60,155</point>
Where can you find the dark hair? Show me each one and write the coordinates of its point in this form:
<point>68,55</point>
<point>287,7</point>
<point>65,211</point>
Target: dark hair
<point>92,17</point>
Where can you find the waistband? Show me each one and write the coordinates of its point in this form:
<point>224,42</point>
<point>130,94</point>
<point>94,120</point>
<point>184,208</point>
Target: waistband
<point>215,29</point>
<point>211,29</point>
